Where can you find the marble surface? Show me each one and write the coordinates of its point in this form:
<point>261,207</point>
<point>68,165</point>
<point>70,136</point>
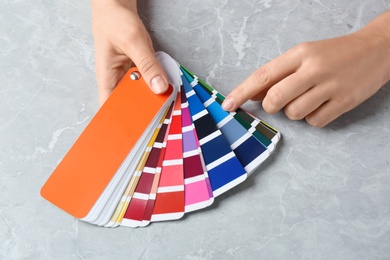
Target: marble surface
<point>324,193</point>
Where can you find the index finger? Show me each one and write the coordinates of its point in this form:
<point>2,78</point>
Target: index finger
<point>262,79</point>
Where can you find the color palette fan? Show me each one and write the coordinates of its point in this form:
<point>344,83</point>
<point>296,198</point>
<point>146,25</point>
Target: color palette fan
<point>146,157</point>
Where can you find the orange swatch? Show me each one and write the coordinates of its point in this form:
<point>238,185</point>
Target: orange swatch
<point>86,170</point>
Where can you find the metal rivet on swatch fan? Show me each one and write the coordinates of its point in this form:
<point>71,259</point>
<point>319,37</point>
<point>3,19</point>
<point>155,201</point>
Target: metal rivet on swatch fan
<point>135,75</point>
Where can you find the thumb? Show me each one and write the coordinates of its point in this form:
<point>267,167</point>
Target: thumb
<point>150,69</point>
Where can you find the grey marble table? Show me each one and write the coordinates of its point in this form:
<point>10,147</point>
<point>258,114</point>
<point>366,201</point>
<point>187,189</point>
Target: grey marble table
<point>323,194</point>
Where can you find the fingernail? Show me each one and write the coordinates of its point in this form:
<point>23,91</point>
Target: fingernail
<point>158,85</point>
<point>228,103</point>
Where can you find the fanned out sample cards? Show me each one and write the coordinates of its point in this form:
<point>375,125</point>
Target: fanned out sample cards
<point>146,157</point>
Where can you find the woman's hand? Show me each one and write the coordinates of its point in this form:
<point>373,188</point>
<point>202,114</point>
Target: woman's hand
<point>120,39</point>
<point>321,80</point>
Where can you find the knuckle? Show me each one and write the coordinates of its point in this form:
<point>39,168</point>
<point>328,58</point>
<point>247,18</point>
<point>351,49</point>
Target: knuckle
<point>303,48</point>
<point>294,112</point>
<point>272,101</point>
<point>261,76</point>
<point>314,71</point>
<point>315,122</point>
<point>305,52</point>
<point>348,101</point>
<point>146,65</point>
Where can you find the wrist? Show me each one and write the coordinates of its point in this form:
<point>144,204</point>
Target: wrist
<point>128,4</point>
<point>376,36</point>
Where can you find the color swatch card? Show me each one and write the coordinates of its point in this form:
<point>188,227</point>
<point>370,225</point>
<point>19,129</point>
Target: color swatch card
<point>146,157</point>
